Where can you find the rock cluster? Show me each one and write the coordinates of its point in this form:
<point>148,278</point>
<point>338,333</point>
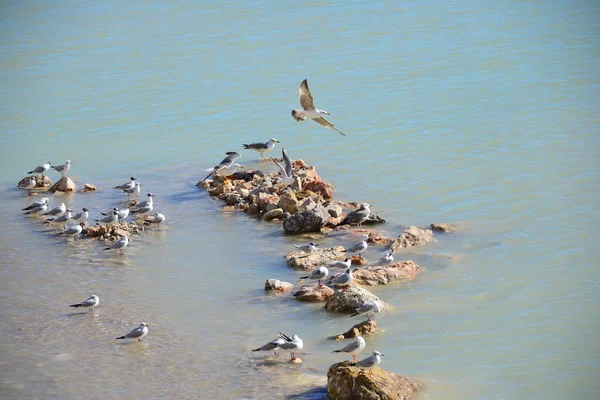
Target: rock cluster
<point>442,227</point>
<point>383,275</point>
<point>112,232</point>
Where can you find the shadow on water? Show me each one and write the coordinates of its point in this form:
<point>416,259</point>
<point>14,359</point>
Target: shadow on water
<point>317,393</point>
<point>178,198</point>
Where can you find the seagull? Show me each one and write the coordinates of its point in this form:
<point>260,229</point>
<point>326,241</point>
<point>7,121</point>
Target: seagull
<point>89,303</point>
<point>119,244</point>
<point>144,207</point>
<point>359,247</point>
<point>354,347</point>
<point>138,333</point>
<point>41,168</point>
<point>133,192</point>
<point>227,162</point>
<point>262,147</point>
<point>62,218</point>
<point>286,173</point>
<point>82,216</point>
<point>309,110</point>
<point>307,248</point>
<point>340,264</point>
<point>371,361</point>
<point>28,184</point>
<point>72,230</point>
<point>359,216</point>
<point>63,169</point>
<point>61,209</point>
<point>111,219</point>
<point>121,213</point>
<point>157,218</point>
<point>291,344</point>
<point>387,258</point>
<point>319,273</point>
<point>272,345</point>
<point>227,171</point>
<point>127,186</point>
<point>368,307</point>
<point>39,207</point>
<point>343,279</point>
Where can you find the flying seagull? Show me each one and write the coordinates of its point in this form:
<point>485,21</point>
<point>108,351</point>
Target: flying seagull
<point>286,173</point>
<point>262,147</point>
<point>138,333</point>
<point>226,163</point>
<point>309,110</point>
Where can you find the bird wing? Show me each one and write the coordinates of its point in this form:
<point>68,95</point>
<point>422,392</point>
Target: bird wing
<point>367,362</point>
<point>323,122</point>
<point>137,332</point>
<point>88,302</point>
<point>281,169</point>
<point>256,146</point>
<point>350,347</point>
<point>230,159</point>
<point>306,99</point>
<point>288,163</point>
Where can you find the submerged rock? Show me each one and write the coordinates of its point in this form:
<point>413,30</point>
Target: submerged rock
<point>345,381</point>
<point>274,285</point>
<point>301,260</point>
<point>347,301</point>
<point>307,221</point>
<point>313,294</point>
<point>64,184</point>
<point>442,227</point>
<point>382,275</point>
<point>112,232</point>
<point>365,328</point>
<point>413,236</point>
<point>88,188</point>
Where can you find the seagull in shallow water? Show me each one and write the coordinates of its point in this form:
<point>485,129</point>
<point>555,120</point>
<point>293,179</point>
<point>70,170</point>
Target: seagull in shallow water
<point>291,344</point>
<point>128,185</point>
<point>62,218</point>
<point>122,213</point>
<point>157,219</point>
<point>272,345</point>
<point>138,333</point>
<point>309,110</point>
<point>61,209</point>
<point>38,207</point>
<point>28,184</point>
<point>119,244</point>
<point>359,247</point>
<point>82,216</point>
<point>72,230</point>
<point>317,274</point>
<point>89,303</point>
<point>133,192</point>
<point>41,168</point>
<point>359,216</point>
<point>262,147</point>
<point>354,347</point>
<point>371,361</point>
<point>144,207</point>
<point>63,169</point>
<point>111,219</point>
<point>368,307</point>
<point>226,163</point>
<point>286,172</point>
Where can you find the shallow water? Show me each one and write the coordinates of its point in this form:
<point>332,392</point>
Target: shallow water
<point>483,115</point>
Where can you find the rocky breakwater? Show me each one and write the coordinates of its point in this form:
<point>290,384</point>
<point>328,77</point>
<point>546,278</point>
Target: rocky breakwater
<point>304,206</point>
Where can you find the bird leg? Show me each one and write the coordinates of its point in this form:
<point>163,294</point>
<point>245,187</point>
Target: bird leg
<point>121,251</point>
<point>368,317</point>
<point>354,357</point>
<point>293,357</point>
<point>320,284</point>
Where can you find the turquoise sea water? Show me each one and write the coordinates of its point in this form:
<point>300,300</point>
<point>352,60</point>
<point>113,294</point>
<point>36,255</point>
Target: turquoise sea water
<point>480,114</point>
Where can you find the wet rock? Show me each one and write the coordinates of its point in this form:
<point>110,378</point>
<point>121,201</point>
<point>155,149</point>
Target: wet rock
<point>442,227</point>
<point>253,209</point>
<point>313,294</point>
<point>383,275</point>
<point>272,214</point>
<point>374,219</point>
<point>364,328</point>
<point>88,188</point>
<point>307,204</point>
<point>301,260</point>
<point>378,240</point>
<point>335,211</point>
<point>41,184</point>
<point>264,198</point>
<point>231,199</point>
<point>358,260</point>
<point>307,221</point>
<point>324,189</point>
<point>413,236</point>
<point>274,285</point>
<point>112,232</point>
<point>348,382</point>
<point>64,184</point>
<point>288,202</point>
<point>347,301</point>
<point>220,189</point>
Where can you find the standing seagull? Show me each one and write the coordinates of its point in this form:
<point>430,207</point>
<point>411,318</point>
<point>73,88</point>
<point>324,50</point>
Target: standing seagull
<point>41,168</point>
<point>138,333</point>
<point>272,345</point>
<point>111,219</point>
<point>286,173</point>
<point>121,213</point>
<point>319,273</point>
<point>340,264</point>
<point>359,247</point>
<point>72,230</point>
<point>89,303</point>
<point>262,147</point>
<point>127,186</point>
<point>291,344</point>
<point>354,347</point>
<point>82,216</point>
<point>119,244</point>
<point>36,204</point>
<point>386,259</point>
<point>63,169</point>
<point>343,279</point>
<point>368,307</point>
<point>226,163</point>
<point>157,218</point>
<point>144,207</point>
<point>38,207</point>
<point>61,209</point>
<point>371,361</point>
<point>28,183</point>
<point>133,192</point>
<point>359,216</point>
<point>309,110</point>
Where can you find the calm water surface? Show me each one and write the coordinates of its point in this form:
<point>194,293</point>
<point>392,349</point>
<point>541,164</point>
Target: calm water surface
<point>480,114</point>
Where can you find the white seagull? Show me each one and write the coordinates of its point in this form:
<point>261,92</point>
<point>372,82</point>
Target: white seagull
<point>386,259</point>
<point>368,307</point>
<point>157,219</point>
<point>144,207</point>
<point>72,230</point>
<point>359,247</point>
<point>309,110</point>
<point>371,361</point>
<point>134,191</point>
<point>89,303</point>
<point>286,172</point>
<point>111,219</point>
<point>121,213</point>
<point>359,216</point>
<point>354,347</point>
<point>61,209</point>
<point>63,169</point>
<point>291,344</point>
<point>41,168</point>
<point>138,333</point>
<point>307,248</point>
<point>262,147</point>
<point>28,183</point>
<point>119,244</point>
<point>225,163</point>
<point>82,216</point>
<point>317,274</point>
<point>272,345</point>
<point>127,186</point>
<point>340,264</point>
<point>38,207</point>
<point>343,279</point>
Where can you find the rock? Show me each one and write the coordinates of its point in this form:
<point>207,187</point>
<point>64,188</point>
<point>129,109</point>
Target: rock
<point>307,204</point>
<point>347,301</point>
<point>322,188</point>
<point>271,207</point>
<point>288,202</point>
<point>285,215</point>
<point>220,189</point>
<point>347,382</point>
<point>413,236</point>
<point>382,275</point>
<point>364,328</point>
<point>272,214</point>
<point>313,294</point>
<point>274,285</point>
<point>231,199</point>
<point>358,260</point>
<point>378,239</point>
<point>64,184</point>
<point>442,227</point>
<point>301,260</point>
<point>264,198</point>
<point>112,232</point>
<point>253,209</point>
<point>335,211</point>
<point>307,221</point>
<point>88,188</point>
<point>374,219</point>
<point>242,192</point>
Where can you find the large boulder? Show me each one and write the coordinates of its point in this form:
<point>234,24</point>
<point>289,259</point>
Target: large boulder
<point>307,221</point>
<point>364,328</point>
<point>348,382</point>
<point>347,301</point>
<point>301,260</point>
<point>313,294</point>
<point>382,275</point>
<point>64,184</point>
<point>413,236</point>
